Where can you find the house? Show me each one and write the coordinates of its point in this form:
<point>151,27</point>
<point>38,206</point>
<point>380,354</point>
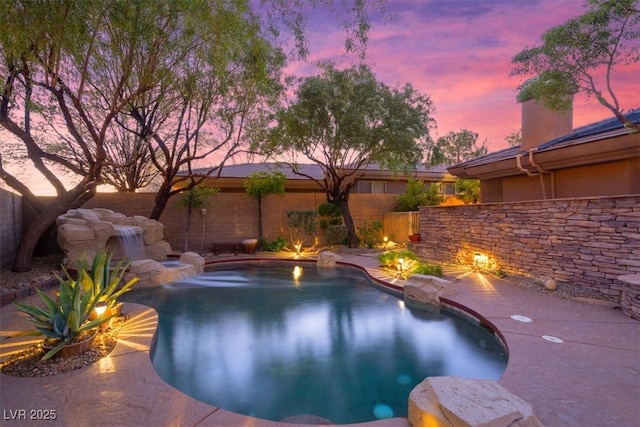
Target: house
<point>554,161</point>
<point>374,180</point>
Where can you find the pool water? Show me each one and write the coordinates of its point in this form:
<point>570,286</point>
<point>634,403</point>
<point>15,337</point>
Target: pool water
<point>257,340</point>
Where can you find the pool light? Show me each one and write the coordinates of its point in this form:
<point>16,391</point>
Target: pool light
<point>297,274</point>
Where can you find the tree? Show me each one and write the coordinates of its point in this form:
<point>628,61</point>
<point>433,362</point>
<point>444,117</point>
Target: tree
<point>457,147</point>
<point>469,190</point>
<point>195,198</point>
<point>260,184</point>
<point>605,36</point>
<point>513,139</point>
<point>128,167</point>
<point>69,68</point>
<point>416,194</point>
<point>345,120</point>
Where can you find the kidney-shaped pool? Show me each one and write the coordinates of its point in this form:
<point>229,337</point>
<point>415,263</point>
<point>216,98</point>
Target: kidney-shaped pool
<point>277,340</point>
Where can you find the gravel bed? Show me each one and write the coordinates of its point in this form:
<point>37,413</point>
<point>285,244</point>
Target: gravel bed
<point>28,364</point>
<point>41,267</point>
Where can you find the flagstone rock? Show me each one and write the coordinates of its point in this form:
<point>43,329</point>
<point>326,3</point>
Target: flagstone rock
<point>462,402</point>
<point>427,289</point>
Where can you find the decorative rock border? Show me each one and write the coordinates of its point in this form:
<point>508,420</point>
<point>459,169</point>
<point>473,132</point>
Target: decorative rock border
<point>44,282</point>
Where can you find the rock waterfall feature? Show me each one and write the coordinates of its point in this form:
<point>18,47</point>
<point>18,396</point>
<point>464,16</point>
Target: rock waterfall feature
<point>82,232</point>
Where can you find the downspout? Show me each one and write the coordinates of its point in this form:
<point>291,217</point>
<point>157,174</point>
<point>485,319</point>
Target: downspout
<point>529,173</point>
<point>542,171</point>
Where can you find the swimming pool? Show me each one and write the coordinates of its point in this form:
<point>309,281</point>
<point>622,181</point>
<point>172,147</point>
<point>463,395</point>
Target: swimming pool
<point>274,341</point>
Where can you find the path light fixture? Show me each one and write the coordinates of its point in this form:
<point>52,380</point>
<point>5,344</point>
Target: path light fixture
<point>100,309</point>
<point>480,261</point>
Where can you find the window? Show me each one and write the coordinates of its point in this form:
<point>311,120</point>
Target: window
<point>448,188</point>
<point>372,187</point>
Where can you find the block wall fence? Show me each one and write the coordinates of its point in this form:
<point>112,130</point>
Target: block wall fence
<point>10,226</point>
<point>232,217</point>
<point>585,241</point>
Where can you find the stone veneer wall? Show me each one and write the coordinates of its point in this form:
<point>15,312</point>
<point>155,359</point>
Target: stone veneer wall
<point>585,241</point>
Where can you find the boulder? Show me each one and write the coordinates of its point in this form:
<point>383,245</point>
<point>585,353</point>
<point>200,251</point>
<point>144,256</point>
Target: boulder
<point>327,259</point>
<point>462,402</point>
<point>151,273</point>
<point>193,259</point>
<point>427,289</point>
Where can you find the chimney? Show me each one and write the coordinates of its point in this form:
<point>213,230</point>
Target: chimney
<point>539,123</point>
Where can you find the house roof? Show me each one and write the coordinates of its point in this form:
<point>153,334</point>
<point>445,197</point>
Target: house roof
<point>502,163</point>
<point>243,170</point>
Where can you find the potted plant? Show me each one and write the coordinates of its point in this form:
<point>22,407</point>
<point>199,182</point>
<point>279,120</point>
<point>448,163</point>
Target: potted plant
<point>415,231</point>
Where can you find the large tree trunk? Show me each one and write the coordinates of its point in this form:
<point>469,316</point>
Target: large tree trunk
<point>352,237</point>
<point>161,199</point>
<point>47,216</point>
<point>260,231</point>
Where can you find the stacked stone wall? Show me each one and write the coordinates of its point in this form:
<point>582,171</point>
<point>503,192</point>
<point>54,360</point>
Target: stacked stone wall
<point>587,241</point>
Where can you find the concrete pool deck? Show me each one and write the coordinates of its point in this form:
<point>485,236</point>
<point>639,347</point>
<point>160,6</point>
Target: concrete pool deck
<point>591,378</point>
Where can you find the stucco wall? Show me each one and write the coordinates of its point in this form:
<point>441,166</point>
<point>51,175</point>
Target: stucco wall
<point>585,241</point>
<point>10,226</point>
<point>612,178</point>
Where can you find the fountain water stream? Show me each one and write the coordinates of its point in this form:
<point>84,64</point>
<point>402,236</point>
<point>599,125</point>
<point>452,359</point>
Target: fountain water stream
<point>130,241</point>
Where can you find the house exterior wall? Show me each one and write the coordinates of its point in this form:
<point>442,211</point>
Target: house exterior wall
<point>601,179</point>
<point>491,190</point>
<point>584,241</point>
<point>613,178</point>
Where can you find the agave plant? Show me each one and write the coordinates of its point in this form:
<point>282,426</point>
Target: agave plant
<point>69,316</point>
<point>62,320</point>
<point>103,280</point>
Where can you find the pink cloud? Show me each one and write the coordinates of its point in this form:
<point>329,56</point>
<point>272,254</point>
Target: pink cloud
<point>459,52</point>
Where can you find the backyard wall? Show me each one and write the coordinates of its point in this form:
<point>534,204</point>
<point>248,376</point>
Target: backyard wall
<point>585,241</point>
<point>10,226</point>
<point>232,217</point>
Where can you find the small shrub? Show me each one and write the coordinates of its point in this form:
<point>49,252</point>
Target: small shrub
<point>428,270</point>
<point>411,263</point>
<point>336,235</point>
<point>371,233</point>
<point>277,245</point>
<point>329,214</point>
<point>302,225</point>
<point>390,258</point>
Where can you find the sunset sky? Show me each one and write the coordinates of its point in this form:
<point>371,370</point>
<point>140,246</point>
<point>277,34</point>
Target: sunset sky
<point>459,52</point>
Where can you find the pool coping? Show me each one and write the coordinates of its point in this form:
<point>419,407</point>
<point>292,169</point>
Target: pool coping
<point>591,378</point>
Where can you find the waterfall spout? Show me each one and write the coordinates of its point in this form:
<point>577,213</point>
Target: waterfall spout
<point>130,241</point>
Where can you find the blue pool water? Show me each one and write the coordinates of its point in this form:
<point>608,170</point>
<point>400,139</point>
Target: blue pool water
<point>255,340</point>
